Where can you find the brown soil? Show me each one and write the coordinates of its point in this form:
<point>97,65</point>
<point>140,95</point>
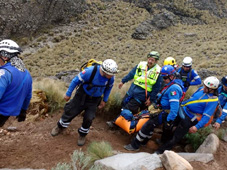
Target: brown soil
<point>32,146</point>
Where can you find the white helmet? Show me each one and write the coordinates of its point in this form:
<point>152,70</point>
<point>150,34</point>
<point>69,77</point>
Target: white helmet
<point>187,62</point>
<point>109,66</point>
<point>10,46</point>
<point>211,82</point>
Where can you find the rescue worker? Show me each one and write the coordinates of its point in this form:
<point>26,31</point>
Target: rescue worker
<point>169,101</point>
<point>195,112</point>
<point>145,87</point>
<point>222,97</point>
<point>188,75</point>
<point>15,83</point>
<point>170,61</point>
<point>87,97</point>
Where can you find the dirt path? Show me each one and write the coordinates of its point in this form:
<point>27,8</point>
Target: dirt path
<point>32,146</point>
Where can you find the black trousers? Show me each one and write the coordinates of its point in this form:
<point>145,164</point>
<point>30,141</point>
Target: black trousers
<point>80,102</point>
<point>3,120</point>
<point>132,104</point>
<point>181,130</point>
<point>146,131</point>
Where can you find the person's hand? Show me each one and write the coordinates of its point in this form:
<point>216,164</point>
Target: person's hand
<point>120,85</point>
<point>216,125</point>
<point>102,104</point>
<point>148,102</point>
<point>168,125</point>
<point>186,84</point>
<point>22,116</point>
<point>67,98</point>
<point>193,129</point>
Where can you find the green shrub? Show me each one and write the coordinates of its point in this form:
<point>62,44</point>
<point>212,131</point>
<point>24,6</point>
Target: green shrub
<point>196,139</point>
<point>80,160</point>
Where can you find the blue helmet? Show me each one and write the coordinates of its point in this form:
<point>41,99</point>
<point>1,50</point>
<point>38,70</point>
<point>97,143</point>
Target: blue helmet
<point>167,70</point>
<point>224,81</point>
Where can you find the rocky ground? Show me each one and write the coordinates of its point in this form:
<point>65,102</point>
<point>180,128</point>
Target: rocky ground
<point>32,146</point>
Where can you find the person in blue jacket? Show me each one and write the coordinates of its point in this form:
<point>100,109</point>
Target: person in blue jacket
<point>169,101</point>
<point>143,90</point>
<point>88,97</point>
<point>188,75</point>
<point>222,96</point>
<point>15,83</point>
<point>195,113</point>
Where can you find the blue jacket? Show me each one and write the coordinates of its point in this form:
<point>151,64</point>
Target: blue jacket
<point>194,76</point>
<point>137,92</point>
<point>170,98</point>
<point>15,90</point>
<point>222,97</point>
<point>99,83</point>
<point>203,108</point>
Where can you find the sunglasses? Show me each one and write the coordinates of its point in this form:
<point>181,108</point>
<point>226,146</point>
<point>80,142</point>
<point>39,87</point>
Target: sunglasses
<point>165,77</point>
<point>187,66</point>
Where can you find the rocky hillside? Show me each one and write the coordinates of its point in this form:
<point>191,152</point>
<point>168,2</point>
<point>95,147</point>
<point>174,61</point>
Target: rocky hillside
<point>59,36</point>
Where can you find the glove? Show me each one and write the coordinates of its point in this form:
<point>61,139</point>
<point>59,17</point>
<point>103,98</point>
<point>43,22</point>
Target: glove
<point>168,125</point>
<point>22,116</point>
<point>186,84</point>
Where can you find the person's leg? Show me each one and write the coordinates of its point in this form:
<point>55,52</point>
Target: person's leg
<point>181,130</point>
<point>3,120</point>
<point>89,115</point>
<point>145,134</point>
<point>71,110</point>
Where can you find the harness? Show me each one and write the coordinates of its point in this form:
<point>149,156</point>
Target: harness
<point>184,75</point>
<point>90,85</point>
<point>198,116</point>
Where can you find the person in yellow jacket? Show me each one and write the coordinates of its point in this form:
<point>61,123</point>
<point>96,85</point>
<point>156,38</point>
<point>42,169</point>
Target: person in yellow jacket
<point>146,85</point>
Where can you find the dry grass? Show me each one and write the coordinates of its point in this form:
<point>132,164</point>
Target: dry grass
<point>106,33</point>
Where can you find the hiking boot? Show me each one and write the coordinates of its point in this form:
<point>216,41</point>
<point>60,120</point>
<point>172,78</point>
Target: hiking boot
<point>81,140</point>
<point>130,148</point>
<point>56,131</point>
<point>110,124</point>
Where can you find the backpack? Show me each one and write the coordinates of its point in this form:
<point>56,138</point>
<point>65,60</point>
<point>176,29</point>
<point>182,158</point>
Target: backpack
<point>91,62</point>
<point>95,63</point>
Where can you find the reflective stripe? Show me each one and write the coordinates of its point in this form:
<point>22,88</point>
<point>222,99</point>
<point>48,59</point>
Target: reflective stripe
<point>65,125</point>
<point>205,114</point>
<point>83,130</point>
<point>196,77</point>
<point>224,110</point>
<point>174,100</point>
<point>80,78</point>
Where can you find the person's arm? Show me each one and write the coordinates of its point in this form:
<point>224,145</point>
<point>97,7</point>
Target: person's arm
<point>130,75</point>
<point>80,78</point>
<point>5,80</point>
<point>223,115</point>
<point>175,94</point>
<point>196,78</point>
<point>155,89</point>
<point>108,90</point>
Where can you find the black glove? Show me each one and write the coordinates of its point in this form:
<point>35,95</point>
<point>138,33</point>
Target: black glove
<point>186,84</point>
<point>168,125</point>
<point>22,116</point>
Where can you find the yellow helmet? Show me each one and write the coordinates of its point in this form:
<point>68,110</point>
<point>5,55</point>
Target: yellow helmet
<point>169,61</point>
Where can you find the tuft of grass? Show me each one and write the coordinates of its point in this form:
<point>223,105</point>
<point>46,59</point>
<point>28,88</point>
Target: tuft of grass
<point>80,160</point>
<point>196,139</point>
<point>54,90</point>
<point>62,166</point>
<point>99,150</point>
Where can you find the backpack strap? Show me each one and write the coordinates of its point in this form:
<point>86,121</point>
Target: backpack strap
<point>90,85</point>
